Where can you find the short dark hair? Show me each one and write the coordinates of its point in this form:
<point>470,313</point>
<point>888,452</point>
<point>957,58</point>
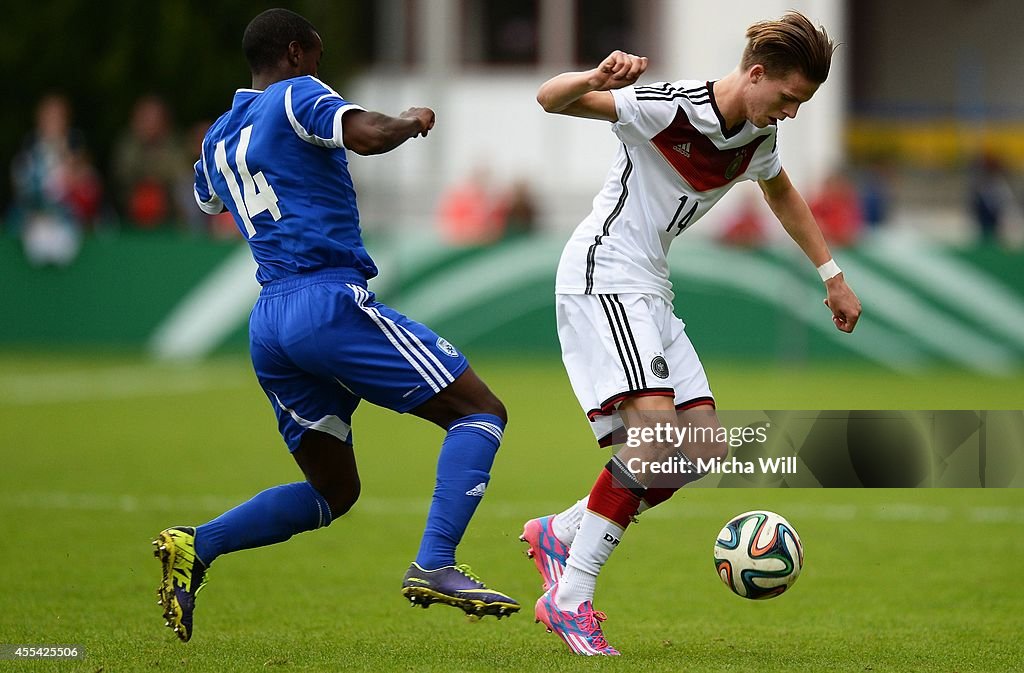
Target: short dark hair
<point>267,37</point>
<point>791,43</point>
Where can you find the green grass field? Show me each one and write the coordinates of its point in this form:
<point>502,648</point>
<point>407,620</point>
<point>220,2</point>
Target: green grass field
<point>100,453</point>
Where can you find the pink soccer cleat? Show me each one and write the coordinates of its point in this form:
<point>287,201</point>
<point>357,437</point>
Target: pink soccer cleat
<point>546,550</point>
<point>581,630</point>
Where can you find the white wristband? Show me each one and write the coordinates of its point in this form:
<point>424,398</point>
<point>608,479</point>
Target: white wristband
<point>829,270</point>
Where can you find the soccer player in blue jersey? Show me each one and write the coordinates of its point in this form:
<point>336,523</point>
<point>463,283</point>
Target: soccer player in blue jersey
<point>319,340</point>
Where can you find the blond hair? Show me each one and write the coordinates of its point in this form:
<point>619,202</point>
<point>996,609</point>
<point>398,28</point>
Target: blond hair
<point>792,43</point>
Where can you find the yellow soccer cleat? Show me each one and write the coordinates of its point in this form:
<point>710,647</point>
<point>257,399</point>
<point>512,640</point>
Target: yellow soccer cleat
<point>184,576</point>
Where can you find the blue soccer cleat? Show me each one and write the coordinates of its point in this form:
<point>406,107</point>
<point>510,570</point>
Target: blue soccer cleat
<point>184,576</point>
<point>457,586</point>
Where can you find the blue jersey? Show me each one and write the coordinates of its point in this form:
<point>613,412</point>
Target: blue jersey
<point>276,160</point>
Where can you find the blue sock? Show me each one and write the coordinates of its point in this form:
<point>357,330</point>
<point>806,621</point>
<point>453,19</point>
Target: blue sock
<point>463,472</point>
<point>271,516</point>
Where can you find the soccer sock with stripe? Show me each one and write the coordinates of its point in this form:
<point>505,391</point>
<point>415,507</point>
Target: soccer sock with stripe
<point>271,516</point>
<point>463,472</point>
<point>613,501</point>
<point>566,524</point>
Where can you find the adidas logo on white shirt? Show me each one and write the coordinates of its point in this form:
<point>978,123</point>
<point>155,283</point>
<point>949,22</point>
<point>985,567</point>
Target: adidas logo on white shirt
<point>477,490</point>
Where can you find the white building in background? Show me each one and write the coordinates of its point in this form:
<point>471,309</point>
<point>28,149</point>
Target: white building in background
<point>478,64</point>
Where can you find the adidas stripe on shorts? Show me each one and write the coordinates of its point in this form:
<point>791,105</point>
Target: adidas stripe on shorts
<point>320,343</point>
<point>616,346</point>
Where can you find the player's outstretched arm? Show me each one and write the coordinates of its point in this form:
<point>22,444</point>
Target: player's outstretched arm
<point>794,214</point>
<point>375,133</point>
<point>586,94</point>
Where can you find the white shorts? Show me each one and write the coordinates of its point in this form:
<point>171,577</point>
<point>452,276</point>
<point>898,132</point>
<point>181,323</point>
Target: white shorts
<point>618,346</point>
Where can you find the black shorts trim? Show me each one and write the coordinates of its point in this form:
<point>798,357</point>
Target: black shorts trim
<point>606,440</point>
<point>696,402</point>
<point>608,407</point>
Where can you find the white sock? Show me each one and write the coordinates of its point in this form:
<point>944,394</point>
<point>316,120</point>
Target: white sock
<point>575,586</point>
<point>594,543</point>
<point>565,524</point>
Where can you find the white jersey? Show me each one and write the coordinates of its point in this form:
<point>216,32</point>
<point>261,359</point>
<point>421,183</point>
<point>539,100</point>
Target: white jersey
<point>676,161</point>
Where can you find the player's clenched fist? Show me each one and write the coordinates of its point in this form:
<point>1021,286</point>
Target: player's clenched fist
<point>618,70</point>
<point>424,115</point>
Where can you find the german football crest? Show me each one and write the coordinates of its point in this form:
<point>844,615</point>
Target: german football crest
<point>734,167</point>
<point>660,367</point>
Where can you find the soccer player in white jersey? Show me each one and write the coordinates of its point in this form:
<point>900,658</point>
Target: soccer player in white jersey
<point>683,145</point>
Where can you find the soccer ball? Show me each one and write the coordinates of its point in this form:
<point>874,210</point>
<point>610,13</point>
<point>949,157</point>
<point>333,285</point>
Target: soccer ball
<point>758,555</point>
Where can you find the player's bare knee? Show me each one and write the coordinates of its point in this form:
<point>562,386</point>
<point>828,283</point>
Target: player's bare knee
<point>493,406</point>
<point>342,500</point>
<point>476,398</point>
<point>482,401</point>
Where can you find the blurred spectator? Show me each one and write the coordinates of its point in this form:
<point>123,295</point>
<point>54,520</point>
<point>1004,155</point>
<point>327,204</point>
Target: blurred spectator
<point>746,228</point>
<point>992,199</point>
<point>517,211</point>
<point>221,226</point>
<point>836,207</point>
<point>467,212</point>
<point>874,182</point>
<point>151,168</point>
<point>193,219</point>
<point>56,190</point>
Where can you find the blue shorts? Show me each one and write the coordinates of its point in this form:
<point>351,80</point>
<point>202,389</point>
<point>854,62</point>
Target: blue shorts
<point>320,342</point>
